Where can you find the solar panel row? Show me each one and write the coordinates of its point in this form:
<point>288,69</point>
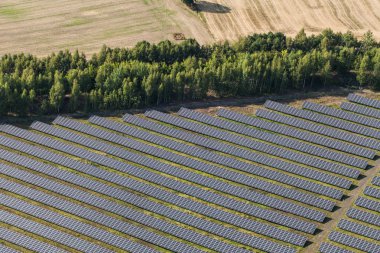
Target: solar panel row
<point>326,120</point>
<point>91,214</point>
<point>329,248</point>
<point>364,216</point>
<point>364,101</point>
<point>273,138</point>
<point>376,181</point>
<point>50,233</point>
<point>127,213</point>
<point>62,220</point>
<point>359,229</point>
<point>319,129</point>
<point>372,192</point>
<point>27,242</point>
<point>251,144</point>
<point>137,186</point>
<point>216,158</point>
<point>176,185</point>
<point>297,133</point>
<point>251,225</point>
<point>368,204</point>
<point>5,249</point>
<point>370,112</point>
<point>342,114</point>
<point>186,161</point>
<point>354,242</point>
<point>238,152</point>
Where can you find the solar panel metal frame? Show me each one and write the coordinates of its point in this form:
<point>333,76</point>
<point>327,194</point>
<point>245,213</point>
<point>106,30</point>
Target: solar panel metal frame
<point>322,119</point>
<point>216,158</point>
<point>28,242</point>
<point>238,152</point>
<point>297,133</point>
<point>360,109</point>
<point>352,117</point>
<point>274,138</point>
<point>125,212</point>
<point>255,145</point>
<point>50,233</point>
<point>364,101</point>
<point>359,229</point>
<point>133,199</point>
<point>319,129</point>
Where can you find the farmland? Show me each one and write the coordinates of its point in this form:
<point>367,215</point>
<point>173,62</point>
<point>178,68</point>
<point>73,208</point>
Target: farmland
<point>230,19</point>
<point>43,26</point>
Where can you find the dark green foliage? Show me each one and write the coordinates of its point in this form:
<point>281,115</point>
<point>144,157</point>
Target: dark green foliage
<point>152,74</point>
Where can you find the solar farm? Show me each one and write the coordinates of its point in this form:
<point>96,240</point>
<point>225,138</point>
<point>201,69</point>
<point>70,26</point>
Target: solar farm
<point>284,180</point>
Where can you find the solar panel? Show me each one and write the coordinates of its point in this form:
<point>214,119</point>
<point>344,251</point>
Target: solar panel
<point>373,192</point>
<point>320,129</point>
<point>370,122</point>
<point>5,249</point>
<point>135,185</point>
<point>27,242</point>
<point>96,216</point>
<point>296,133</point>
<point>183,160</point>
<point>212,157</point>
<point>376,181</point>
<point>364,101</point>
<point>173,184</point>
<point>368,204</point>
<point>364,216</point>
<point>274,138</point>
<point>329,248</point>
<point>354,242</point>
<point>64,221</point>
<point>50,233</point>
<point>367,111</point>
<point>360,229</point>
<point>330,121</point>
<point>127,213</point>
<point>239,152</point>
<point>255,145</point>
<point>237,177</point>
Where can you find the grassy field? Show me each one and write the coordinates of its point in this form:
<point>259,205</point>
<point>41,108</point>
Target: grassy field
<point>42,26</point>
<point>230,19</point>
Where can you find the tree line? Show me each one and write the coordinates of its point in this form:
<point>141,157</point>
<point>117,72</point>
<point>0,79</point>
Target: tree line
<point>153,74</point>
